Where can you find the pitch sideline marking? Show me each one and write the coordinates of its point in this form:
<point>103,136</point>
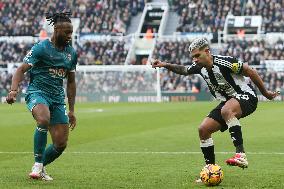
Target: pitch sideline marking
<point>141,152</point>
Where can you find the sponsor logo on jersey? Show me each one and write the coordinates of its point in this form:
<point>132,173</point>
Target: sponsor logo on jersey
<point>57,72</point>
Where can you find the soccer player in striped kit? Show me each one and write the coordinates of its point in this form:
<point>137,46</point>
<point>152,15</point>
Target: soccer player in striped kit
<point>225,77</point>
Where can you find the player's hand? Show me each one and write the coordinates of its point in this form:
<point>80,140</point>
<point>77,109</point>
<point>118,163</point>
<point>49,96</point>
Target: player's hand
<point>72,120</point>
<point>157,63</point>
<point>271,94</point>
<point>11,97</point>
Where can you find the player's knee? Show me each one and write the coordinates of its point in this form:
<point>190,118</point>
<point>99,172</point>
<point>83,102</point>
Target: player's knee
<point>43,121</point>
<point>59,149</point>
<point>227,113</point>
<point>61,145</point>
<point>203,132</point>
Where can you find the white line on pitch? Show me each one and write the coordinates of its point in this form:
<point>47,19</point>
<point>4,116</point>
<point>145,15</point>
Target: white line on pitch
<point>141,152</point>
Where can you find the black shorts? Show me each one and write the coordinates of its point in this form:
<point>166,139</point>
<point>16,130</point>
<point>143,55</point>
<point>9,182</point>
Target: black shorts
<point>248,105</point>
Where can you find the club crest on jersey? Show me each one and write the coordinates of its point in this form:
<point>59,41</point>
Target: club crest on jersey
<point>235,67</point>
<point>69,57</point>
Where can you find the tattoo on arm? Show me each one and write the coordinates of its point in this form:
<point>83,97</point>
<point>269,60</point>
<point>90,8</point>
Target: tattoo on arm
<point>182,70</point>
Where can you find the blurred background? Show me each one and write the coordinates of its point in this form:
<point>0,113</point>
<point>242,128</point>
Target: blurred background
<point>116,38</point>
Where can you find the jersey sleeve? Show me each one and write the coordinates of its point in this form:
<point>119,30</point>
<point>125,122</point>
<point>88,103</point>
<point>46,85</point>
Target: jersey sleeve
<point>74,62</point>
<point>193,69</point>
<point>33,56</point>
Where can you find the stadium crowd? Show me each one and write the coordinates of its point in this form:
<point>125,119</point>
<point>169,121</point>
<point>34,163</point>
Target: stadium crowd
<point>5,82</point>
<point>115,82</point>
<point>13,52</point>
<point>106,17</point>
<point>204,16</point>
<point>210,16</point>
<point>102,53</point>
<point>25,18</point>
<point>273,80</point>
<point>255,51</point>
<point>271,12</point>
<point>114,52</point>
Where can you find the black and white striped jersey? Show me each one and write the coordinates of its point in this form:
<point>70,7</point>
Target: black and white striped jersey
<point>225,79</point>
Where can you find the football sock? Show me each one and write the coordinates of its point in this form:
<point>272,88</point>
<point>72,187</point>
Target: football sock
<point>235,130</point>
<point>207,147</point>
<point>40,140</point>
<point>51,153</point>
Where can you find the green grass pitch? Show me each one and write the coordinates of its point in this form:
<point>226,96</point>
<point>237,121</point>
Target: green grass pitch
<point>152,145</point>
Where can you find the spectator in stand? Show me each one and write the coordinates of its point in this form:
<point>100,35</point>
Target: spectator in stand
<point>254,52</point>
<point>270,10</point>
<point>106,16</point>
<point>23,18</point>
<point>205,16</point>
<point>102,53</point>
<point>209,16</point>
<point>13,52</point>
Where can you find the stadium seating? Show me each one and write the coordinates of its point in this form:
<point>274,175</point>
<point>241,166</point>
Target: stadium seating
<point>112,82</point>
<point>102,53</point>
<point>255,51</point>
<point>273,80</point>
<point>209,16</point>
<point>13,52</point>
<point>101,17</point>
<point>106,17</point>
<point>5,82</point>
<point>24,18</point>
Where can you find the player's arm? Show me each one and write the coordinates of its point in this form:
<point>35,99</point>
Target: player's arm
<point>179,69</point>
<point>253,75</point>
<point>17,78</point>
<point>71,94</point>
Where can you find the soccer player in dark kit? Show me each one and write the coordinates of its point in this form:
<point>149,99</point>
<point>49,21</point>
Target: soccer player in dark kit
<point>48,63</point>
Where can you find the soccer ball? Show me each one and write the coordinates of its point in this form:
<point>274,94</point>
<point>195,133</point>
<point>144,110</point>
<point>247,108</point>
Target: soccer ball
<point>212,175</point>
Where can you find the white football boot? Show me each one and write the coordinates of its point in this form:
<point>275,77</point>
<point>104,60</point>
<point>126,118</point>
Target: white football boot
<point>36,171</point>
<point>239,160</point>
<point>198,181</point>
<point>45,176</point>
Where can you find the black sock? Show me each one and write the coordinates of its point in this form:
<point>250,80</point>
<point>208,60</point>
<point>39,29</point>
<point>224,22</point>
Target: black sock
<point>207,147</point>
<point>208,153</point>
<point>236,135</point>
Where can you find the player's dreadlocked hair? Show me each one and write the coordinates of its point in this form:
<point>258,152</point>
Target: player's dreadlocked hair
<point>58,17</point>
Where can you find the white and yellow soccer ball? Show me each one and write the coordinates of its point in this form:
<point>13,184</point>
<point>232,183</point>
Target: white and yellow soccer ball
<point>212,175</point>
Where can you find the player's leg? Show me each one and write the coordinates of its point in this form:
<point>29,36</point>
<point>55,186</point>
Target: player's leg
<point>40,111</point>
<point>234,109</point>
<point>59,132</point>
<point>206,128</point>
<point>231,112</point>
<point>214,122</point>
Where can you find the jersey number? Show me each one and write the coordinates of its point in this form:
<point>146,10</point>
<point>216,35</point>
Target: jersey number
<point>242,96</point>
